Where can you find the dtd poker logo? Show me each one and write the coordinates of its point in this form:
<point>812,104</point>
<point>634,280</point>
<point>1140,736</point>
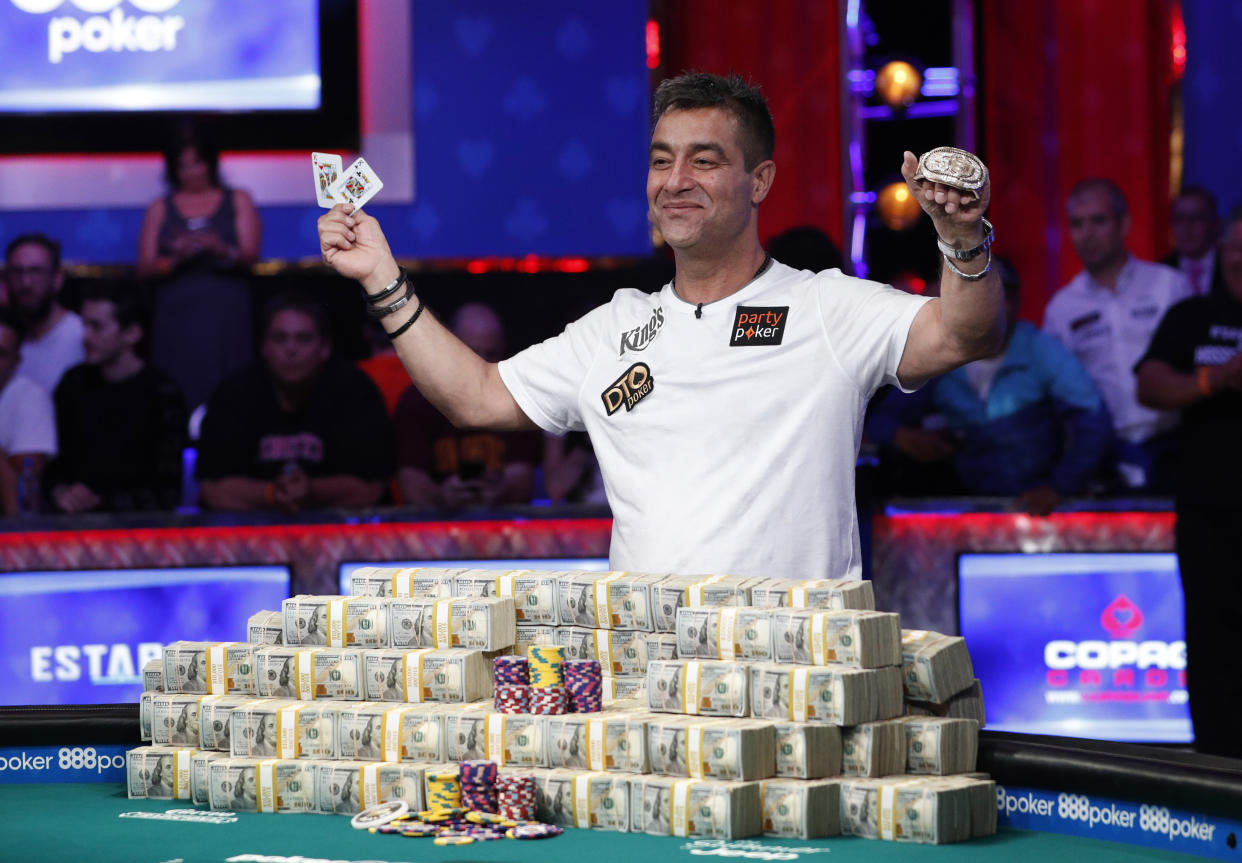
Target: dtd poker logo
<point>96,34</point>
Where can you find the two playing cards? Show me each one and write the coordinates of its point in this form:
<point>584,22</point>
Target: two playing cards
<point>356,185</point>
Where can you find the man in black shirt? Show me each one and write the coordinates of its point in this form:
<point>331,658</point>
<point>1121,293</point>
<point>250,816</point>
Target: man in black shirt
<point>1194,365</point>
<point>301,430</point>
<point>120,421</point>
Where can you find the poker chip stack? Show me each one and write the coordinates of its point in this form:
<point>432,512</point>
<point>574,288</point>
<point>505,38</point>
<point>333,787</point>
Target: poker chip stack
<point>549,701</point>
<point>546,665</point>
<point>478,785</point>
<point>585,685</point>
<point>516,797</point>
<point>443,790</point>
<point>513,689</point>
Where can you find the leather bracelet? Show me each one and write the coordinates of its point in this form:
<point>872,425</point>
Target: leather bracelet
<point>401,329</point>
<point>391,288</point>
<point>377,312</point>
<point>969,254</point>
<point>1205,380</point>
<point>969,277</point>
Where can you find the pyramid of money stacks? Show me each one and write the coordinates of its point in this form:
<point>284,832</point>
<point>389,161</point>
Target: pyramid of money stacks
<point>700,706</point>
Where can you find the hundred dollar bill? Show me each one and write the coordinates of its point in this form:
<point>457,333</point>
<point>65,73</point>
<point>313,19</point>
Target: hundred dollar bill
<point>982,793</point>
<point>517,739</point>
<point>583,799</point>
<point>939,745</point>
<point>214,727</point>
<point>265,627</point>
<point>284,729</point>
<point>863,639</point>
<point>153,675</point>
<point>530,634</point>
<point>174,718</point>
<point>874,749</point>
<point>904,809</point>
<point>806,750</point>
<point>935,667</point>
<point>158,772</point>
<point>232,784</point>
<point>728,633</point>
<point>619,689</point>
<point>836,694</point>
<point>610,741</point>
<point>205,667</point>
<point>336,621</point>
<point>825,593</point>
<point>606,600</point>
<point>698,687</point>
<point>702,808</point>
<point>967,704</point>
<point>726,749</point>
<point>798,809</point>
<point>416,582</point>
<point>409,732</point>
<point>146,705</point>
<point>477,623</point>
<point>360,730</point>
<point>465,731</point>
<point>289,671</point>
<point>533,592</point>
<point>337,788</point>
<point>619,652</point>
<point>199,763</point>
<point>426,674</point>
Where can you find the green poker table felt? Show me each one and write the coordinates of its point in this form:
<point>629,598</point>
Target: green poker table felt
<point>96,822</point>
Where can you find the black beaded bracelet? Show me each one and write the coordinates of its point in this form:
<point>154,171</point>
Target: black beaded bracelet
<point>402,278</point>
<point>401,329</point>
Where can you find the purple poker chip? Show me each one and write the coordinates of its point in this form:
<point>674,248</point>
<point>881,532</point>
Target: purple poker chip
<point>511,670</point>
<point>534,831</point>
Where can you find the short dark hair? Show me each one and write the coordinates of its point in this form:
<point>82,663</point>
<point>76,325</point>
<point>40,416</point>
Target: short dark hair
<point>740,98</point>
<point>190,136</point>
<point>35,239</point>
<point>127,303</point>
<point>1116,198</point>
<point>1202,193</point>
<point>296,301</point>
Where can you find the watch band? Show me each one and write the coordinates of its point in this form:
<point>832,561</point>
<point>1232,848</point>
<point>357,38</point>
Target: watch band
<point>969,254</point>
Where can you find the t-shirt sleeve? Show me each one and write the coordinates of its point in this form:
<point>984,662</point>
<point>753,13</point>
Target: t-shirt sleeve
<point>545,379</point>
<point>1171,343</point>
<point>867,324</point>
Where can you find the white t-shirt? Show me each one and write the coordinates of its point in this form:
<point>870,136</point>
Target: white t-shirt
<point>722,450</point>
<point>1109,332</point>
<point>45,360</point>
<point>27,418</point>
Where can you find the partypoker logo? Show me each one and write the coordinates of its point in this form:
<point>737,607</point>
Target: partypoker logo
<point>1121,618</point>
<point>759,325</point>
<point>629,389</point>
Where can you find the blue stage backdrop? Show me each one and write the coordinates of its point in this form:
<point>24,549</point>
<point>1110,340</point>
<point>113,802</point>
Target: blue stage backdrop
<point>1210,90</point>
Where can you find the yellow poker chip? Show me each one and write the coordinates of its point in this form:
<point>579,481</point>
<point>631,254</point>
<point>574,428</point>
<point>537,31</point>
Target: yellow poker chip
<point>453,840</point>
<point>439,814</point>
<point>477,817</point>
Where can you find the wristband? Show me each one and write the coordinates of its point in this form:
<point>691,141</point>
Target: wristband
<point>969,254</point>
<point>1205,380</point>
<point>401,329</point>
<point>391,288</point>
<point>969,277</point>
<point>377,312</point>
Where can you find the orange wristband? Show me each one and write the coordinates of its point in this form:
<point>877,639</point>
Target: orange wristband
<point>1205,382</point>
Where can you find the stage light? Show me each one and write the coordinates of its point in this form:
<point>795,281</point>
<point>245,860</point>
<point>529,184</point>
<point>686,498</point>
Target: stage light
<point>897,207</point>
<point>898,84</point>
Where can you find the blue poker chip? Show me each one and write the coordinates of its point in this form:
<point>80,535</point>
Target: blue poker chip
<point>534,831</point>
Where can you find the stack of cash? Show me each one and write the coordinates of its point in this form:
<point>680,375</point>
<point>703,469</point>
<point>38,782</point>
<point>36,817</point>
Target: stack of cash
<point>607,600</point>
<point>348,787</point>
<point>613,740</point>
<point>796,809</point>
<point>426,674</point>
<point>289,671</point>
<point>701,808</point>
<point>173,718</point>
<point>199,763</point>
<point>726,749</point>
<point>271,728</point>
<point>214,727</point>
<point>262,785</point>
<point>874,748</point>
<point>698,687</point>
<point>265,627</point>
<point>533,593</point>
<point>934,667</point>
<point>375,731</point>
<point>477,623</point>
<point>834,694</point>
<point>729,633</point>
<point>826,593</point>
<point>589,800</point>
<point>335,621</point>
<point>419,582</point>
<point>531,634</point>
<point>205,666</point>
<point>517,739</point>
<point>863,639</point>
<point>807,750</point>
<point>624,688</point>
<point>465,731</point>
<point>939,745</point>
<point>153,675</point>
<point>927,810</point>
<point>620,653</point>
<point>967,704</point>
<point>159,772</point>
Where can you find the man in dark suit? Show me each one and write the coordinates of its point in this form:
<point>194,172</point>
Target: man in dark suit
<point>1196,232</point>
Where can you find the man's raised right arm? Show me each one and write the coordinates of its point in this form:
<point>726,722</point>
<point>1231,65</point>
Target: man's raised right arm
<point>464,387</point>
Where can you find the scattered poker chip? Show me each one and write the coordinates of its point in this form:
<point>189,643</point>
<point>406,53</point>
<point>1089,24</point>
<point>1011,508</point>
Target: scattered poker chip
<point>406,828</point>
<point>383,813</point>
<point>453,840</point>
<point>489,818</point>
<point>441,814</point>
<point>534,831</point>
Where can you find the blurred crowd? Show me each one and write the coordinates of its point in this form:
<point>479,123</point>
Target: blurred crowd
<point>176,390</point>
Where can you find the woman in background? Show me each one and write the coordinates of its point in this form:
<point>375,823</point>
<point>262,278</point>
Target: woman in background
<point>196,244</point>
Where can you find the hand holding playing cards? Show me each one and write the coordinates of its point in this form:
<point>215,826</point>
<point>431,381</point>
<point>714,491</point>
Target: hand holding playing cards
<point>352,243</point>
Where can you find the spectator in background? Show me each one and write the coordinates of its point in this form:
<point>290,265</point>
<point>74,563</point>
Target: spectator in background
<point>1194,365</point>
<point>51,334</point>
<point>301,430</point>
<point>121,421</point>
<point>806,248</point>
<point>1105,316</point>
<point>1196,230</point>
<point>444,466</point>
<point>196,242</point>
<point>27,424</point>
<point>1027,423</point>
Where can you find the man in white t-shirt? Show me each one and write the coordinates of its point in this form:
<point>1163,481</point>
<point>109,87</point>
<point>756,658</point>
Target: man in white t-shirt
<point>726,409</point>
<point>51,334</point>
<point>27,419</point>
<point>1106,316</point>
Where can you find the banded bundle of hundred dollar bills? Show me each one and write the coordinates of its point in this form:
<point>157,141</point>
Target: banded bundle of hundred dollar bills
<point>591,800</point>
<point>331,787</point>
<point>835,694</point>
<point>701,808</point>
<point>481,623</point>
<point>920,809</point>
<point>726,749</point>
<point>795,809</point>
<point>860,638</point>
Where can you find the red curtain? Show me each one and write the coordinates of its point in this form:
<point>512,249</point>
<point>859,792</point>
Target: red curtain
<point>791,50</point>
<point>1072,89</point>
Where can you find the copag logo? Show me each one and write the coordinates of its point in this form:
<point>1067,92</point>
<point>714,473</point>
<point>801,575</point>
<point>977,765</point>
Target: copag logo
<point>1121,617</point>
<point>629,389</point>
<point>638,338</point>
<point>116,32</point>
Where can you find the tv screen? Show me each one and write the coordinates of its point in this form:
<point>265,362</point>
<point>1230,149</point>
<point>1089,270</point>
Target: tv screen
<point>598,564</point>
<point>82,637</point>
<point>1078,644</point>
